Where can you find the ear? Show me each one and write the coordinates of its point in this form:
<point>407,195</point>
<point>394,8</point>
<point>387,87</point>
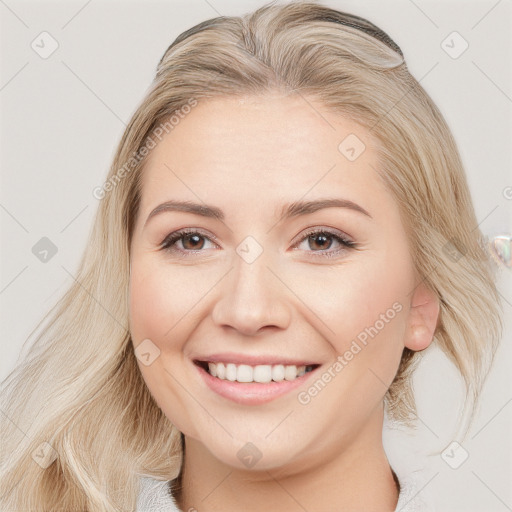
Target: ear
<point>423,318</point>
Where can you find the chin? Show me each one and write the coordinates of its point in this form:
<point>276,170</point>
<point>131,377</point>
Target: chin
<point>257,455</point>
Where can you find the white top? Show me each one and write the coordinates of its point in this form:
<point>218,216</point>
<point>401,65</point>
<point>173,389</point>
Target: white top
<point>155,497</point>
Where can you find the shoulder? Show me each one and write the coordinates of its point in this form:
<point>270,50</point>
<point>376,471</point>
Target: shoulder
<point>154,496</point>
<point>410,498</point>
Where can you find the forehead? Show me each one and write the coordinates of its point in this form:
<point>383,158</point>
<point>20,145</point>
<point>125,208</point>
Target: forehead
<point>251,149</point>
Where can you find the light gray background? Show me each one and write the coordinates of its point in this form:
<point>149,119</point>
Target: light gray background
<point>61,118</point>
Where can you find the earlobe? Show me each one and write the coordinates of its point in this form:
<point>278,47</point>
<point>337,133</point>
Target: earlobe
<point>423,318</point>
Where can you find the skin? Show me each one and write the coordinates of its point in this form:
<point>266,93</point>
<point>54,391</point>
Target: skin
<point>250,156</point>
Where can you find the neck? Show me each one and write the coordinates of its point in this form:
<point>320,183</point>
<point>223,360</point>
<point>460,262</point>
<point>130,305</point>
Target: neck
<point>356,477</point>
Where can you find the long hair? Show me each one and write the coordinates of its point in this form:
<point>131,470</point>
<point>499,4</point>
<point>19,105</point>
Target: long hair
<point>79,425</point>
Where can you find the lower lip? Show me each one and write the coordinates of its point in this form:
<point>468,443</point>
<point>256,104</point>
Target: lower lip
<point>251,393</point>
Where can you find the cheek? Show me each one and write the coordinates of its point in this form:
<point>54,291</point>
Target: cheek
<point>165,300</point>
<point>366,310</point>
<point>157,313</point>
<point>366,300</point>
<point>158,300</point>
<point>149,305</point>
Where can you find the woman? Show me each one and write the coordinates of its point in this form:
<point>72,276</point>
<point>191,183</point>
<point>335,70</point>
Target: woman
<point>276,242</point>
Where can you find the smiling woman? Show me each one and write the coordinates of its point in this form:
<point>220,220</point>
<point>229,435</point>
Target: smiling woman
<point>278,254</point>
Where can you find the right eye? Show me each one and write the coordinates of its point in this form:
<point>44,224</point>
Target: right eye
<point>191,241</point>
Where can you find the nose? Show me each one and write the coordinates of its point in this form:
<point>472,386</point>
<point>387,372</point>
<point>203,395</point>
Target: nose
<point>252,299</point>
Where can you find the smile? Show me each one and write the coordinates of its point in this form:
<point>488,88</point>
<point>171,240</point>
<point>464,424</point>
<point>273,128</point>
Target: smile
<point>256,383</point>
<point>261,373</point>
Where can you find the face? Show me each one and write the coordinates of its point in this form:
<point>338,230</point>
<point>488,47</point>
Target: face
<point>312,302</point>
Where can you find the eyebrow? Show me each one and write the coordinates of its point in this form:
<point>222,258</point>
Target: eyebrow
<point>290,210</point>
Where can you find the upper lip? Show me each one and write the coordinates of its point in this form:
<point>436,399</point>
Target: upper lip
<point>253,360</point>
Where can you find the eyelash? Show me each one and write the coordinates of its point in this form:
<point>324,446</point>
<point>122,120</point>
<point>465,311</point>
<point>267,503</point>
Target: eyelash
<point>172,238</point>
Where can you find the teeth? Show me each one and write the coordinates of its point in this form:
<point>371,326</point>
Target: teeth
<point>278,372</point>
<point>231,372</point>
<point>212,369</point>
<point>260,373</point>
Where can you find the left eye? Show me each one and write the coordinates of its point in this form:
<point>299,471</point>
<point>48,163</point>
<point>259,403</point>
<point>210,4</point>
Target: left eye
<point>323,240</point>
<point>319,241</point>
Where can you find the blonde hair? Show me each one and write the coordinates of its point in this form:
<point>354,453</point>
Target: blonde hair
<point>80,390</point>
